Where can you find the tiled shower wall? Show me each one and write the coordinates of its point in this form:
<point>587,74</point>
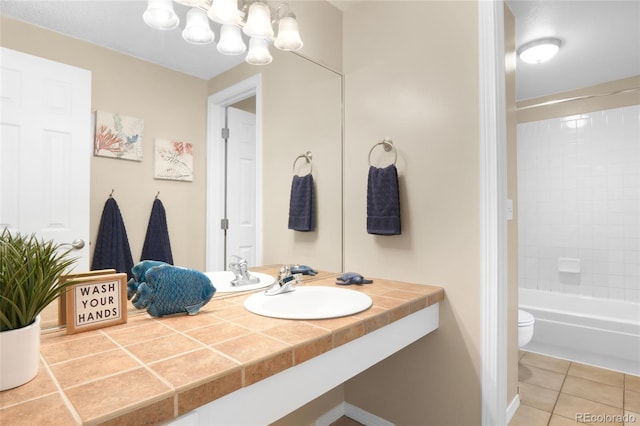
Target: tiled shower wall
<point>579,204</point>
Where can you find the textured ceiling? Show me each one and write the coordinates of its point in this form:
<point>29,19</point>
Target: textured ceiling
<point>600,43</point>
<point>118,25</point>
<point>601,38</point>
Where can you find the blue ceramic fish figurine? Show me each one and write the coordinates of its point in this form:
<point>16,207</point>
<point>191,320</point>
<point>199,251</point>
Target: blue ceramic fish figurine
<point>303,269</point>
<point>352,278</point>
<point>138,272</point>
<point>168,289</point>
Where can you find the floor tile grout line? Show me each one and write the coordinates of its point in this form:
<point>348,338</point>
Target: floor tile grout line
<point>624,392</point>
<point>559,393</point>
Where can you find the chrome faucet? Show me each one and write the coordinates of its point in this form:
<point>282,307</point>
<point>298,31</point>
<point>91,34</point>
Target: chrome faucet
<point>239,267</point>
<point>285,283</point>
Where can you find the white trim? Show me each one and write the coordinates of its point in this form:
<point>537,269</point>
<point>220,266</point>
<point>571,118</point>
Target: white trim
<point>492,146</point>
<point>364,417</point>
<point>354,413</point>
<point>215,167</point>
<point>328,418</point>
<point>278,395</point>
<point>513,407</point>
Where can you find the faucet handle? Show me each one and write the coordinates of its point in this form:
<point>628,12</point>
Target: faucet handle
<point>285,283</point>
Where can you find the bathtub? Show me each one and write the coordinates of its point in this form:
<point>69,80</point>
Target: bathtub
<point>600,332</point>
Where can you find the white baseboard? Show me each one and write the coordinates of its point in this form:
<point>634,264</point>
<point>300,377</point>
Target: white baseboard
<point>331,416</point>
<point>368,419</point>
<point>364,417</point>
<point>513,407</point>
<point>353,412</point>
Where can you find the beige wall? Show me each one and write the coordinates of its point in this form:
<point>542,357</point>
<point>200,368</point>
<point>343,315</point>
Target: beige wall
<point>320,25</point>
<point>172,105</point>
<point>302,111</point>
<point>411,73</point>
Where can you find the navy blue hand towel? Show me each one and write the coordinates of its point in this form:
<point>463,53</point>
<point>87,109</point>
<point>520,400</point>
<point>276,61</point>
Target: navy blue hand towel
<point>383,201</point>
<point>156,242</point>
<point>302,204</point>
<point>112,249</point>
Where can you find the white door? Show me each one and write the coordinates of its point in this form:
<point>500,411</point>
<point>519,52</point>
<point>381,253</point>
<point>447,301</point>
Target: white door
<point>45,149</point>
<point>241,185</point>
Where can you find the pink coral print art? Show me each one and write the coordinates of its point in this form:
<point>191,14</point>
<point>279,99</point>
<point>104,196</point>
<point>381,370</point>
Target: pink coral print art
<point>118,136</point>
<point>173,160</point>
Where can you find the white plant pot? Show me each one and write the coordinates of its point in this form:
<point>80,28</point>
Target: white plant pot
<point>19,355</point>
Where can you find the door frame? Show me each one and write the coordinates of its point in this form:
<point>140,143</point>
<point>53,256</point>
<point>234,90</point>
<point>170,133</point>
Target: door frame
<point>216,104</point>
<point>493,223</point>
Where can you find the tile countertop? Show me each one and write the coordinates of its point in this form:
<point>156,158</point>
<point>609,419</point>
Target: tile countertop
<point>152,370</point>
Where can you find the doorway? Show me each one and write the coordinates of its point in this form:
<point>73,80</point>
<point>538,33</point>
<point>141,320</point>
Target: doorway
<point>234,175</point>
<point>44,156</point>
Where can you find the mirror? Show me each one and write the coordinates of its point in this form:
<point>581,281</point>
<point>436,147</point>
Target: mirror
<point>302,104</point>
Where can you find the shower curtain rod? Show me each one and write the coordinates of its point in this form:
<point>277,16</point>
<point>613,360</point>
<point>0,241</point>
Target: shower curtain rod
<point>578,98</point>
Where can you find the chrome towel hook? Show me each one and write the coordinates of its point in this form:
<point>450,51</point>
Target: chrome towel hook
<point>387,145</point>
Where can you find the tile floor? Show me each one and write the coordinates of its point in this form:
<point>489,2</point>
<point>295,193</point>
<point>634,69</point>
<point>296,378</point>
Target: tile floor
<point>557,392</point>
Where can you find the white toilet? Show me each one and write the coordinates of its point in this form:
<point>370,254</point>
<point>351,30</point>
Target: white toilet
<point>525,327</point>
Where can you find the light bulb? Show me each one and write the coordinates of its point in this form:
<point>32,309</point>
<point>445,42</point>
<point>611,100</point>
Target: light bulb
<point>224,12</point>
<point>231,42</point>
<point>197,30</point>
<point>258,52</point>
<point>539,51</point>
<point>288,35</point>
<point>259,21</point>
<point>160,15</point>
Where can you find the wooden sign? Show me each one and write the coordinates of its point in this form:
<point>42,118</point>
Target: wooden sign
<point>96,301</point>
<point>62,300</point>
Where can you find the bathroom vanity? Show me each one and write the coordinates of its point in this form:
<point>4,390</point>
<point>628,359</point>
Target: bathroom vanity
<point>223,366</point>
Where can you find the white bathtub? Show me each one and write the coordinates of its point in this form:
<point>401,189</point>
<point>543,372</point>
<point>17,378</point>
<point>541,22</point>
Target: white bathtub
<point>600,332</point>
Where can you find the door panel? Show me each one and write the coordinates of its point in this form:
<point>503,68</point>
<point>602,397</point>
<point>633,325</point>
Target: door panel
<point>45,149</point>
<point>241,185</point>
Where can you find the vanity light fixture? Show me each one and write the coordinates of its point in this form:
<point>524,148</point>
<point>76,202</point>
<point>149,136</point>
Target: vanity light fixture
<point>255,18</point>
<point>160,15</point>
<point>539,51</point>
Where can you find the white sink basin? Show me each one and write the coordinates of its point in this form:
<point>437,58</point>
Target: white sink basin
<point>222,281</point>
<point>309,303</point>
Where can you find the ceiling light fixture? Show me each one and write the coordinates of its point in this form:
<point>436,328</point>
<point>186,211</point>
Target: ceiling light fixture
<point>539,51</point>
<point>253,17</point>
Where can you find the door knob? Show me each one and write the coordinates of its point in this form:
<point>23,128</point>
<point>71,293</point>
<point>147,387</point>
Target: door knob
<point>76,244</point>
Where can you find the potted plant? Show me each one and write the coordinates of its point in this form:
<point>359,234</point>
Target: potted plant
<point>29,272</point>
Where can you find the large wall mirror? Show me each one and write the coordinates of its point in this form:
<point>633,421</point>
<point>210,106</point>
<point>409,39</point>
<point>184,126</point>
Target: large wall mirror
<point>302,111</point>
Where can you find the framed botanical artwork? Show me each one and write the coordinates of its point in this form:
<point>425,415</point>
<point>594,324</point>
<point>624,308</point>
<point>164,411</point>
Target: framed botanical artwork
<point>173,160</point>
<point>118,136</point>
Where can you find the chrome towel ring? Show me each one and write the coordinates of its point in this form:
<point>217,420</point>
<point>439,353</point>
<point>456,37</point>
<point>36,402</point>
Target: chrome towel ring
<point>387,144</point>
<point>308,157</point>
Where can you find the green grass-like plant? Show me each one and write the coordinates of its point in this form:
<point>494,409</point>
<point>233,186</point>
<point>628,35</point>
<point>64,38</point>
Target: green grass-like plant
<point>30,269</point>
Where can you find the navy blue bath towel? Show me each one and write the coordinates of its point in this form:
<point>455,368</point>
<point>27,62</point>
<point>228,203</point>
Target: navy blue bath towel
<point>302,204</point>
<point>383,201</point>
<point>112,249</point>
<point>156,242</point>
